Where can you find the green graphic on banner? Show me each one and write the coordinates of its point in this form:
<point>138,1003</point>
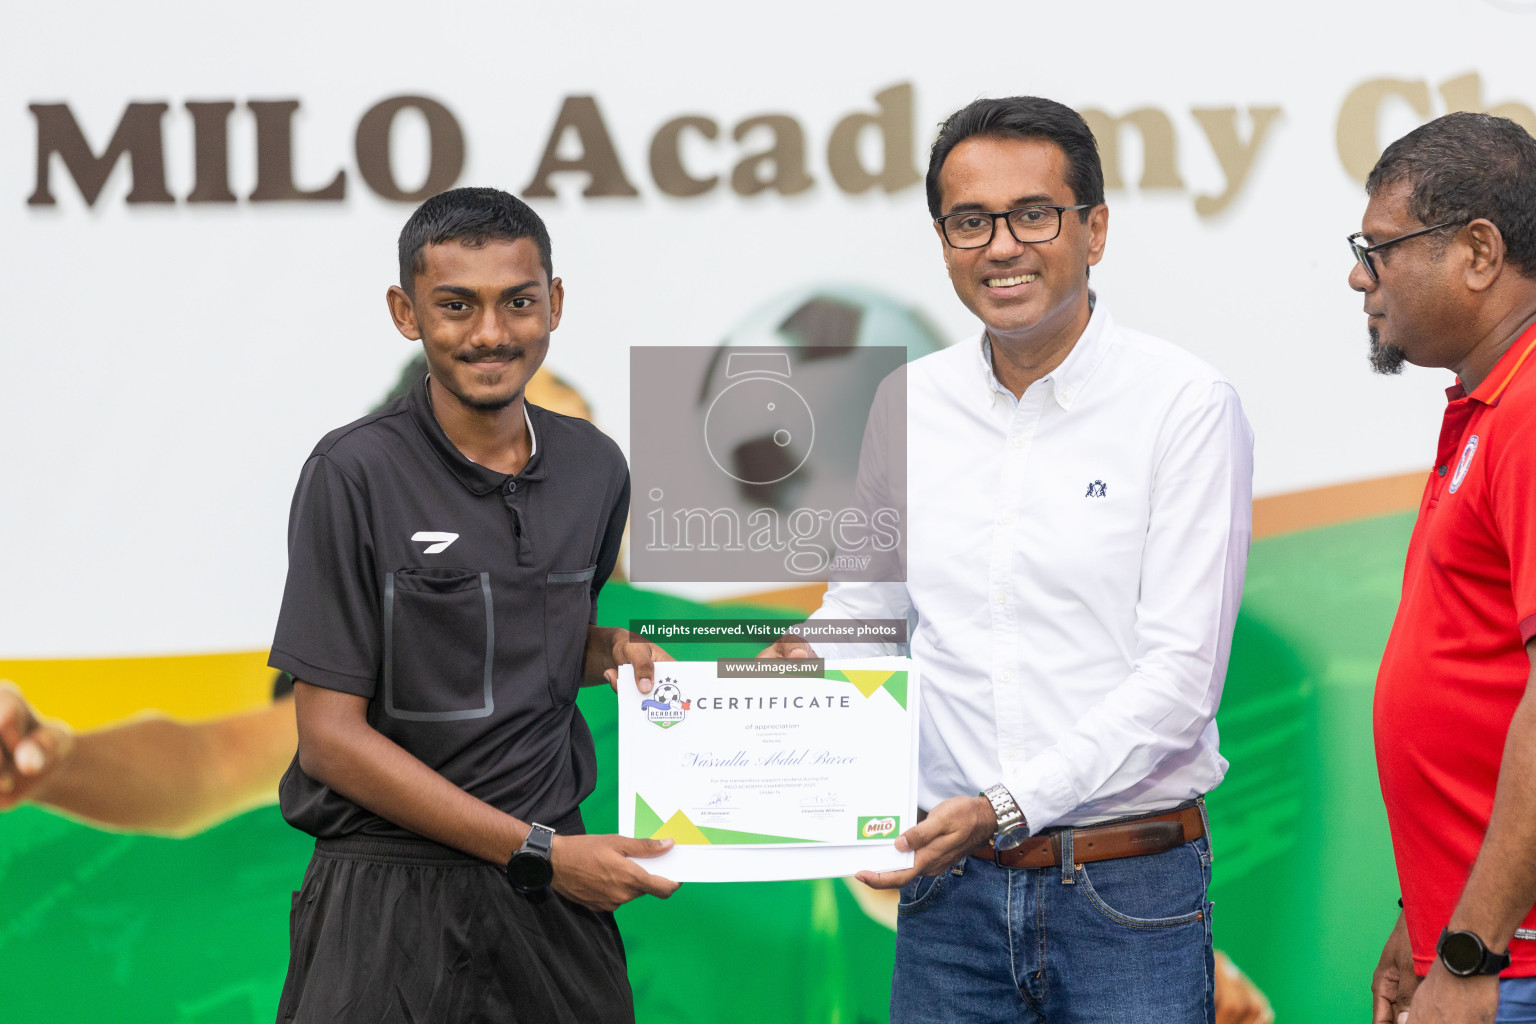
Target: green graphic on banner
<point>137,930</point>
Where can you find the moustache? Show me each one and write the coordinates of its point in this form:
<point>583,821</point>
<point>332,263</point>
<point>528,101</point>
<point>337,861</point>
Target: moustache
<point>494,355</point>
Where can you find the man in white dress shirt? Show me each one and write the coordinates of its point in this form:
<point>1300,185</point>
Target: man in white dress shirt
<point>1079,499</point>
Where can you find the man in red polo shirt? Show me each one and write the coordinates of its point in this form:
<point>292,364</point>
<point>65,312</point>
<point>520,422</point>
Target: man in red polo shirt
<point>1446,261</point>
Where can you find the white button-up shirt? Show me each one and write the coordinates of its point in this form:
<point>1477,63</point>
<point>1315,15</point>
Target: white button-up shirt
<point>1075,560</point>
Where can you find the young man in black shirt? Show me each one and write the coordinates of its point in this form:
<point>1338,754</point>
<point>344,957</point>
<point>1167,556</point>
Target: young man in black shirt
<point>445,556</point>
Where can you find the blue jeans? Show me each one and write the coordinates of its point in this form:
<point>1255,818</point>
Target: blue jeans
<point>1125,940</point>
<point>1517,1001</point>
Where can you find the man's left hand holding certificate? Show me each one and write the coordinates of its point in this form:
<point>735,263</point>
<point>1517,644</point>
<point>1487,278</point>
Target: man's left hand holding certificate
<point>772,769</point>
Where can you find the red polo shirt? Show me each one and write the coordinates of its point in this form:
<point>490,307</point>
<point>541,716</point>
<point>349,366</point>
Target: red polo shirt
<point>1455,666</point>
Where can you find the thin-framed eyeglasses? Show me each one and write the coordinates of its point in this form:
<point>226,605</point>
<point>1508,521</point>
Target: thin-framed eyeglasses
<point>973,229</point>
<point>1363,252</point>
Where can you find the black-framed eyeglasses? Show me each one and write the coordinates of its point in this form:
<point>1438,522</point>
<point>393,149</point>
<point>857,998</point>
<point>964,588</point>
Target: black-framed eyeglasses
<point>973,229</point>
<point>1363,252</point>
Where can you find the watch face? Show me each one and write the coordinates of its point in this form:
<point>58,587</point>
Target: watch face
<point>529,871</point>
<point>1010,838</point>
<point>1461,952</point>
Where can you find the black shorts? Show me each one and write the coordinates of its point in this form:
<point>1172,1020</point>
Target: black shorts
<point>399,931</point>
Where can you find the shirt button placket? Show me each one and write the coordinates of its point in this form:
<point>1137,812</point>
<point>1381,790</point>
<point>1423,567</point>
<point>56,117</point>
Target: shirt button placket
<point>1007,699</point>
<point>513,501</point>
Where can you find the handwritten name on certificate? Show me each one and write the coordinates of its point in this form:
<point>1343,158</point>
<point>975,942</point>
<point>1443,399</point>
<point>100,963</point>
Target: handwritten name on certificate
<point>759,777</point>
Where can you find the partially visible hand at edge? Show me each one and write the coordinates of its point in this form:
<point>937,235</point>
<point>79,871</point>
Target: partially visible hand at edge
<point>31,747</point>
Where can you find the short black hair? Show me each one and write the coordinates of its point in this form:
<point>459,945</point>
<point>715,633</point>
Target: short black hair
<point>1466,166</point>
<point>1023,117</point>
<point>472,216</point>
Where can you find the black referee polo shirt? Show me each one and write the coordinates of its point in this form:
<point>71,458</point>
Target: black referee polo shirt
<point>457,600</point>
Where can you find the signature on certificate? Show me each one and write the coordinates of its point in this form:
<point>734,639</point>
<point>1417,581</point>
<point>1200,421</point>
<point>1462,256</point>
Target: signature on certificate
<point>719,800</point>
<point>822,800</point>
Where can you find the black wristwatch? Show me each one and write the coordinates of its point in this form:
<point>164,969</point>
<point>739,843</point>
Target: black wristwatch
<point>1012,829</point>
<point>529,870</point>
<point>1465,956</point>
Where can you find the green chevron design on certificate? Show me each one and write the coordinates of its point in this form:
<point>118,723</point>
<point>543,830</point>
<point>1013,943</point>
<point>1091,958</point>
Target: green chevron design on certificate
<point>766,770</point>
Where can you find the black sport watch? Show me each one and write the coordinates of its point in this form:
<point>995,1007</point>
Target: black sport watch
<point>529,870</point>
<point>1465,955</point>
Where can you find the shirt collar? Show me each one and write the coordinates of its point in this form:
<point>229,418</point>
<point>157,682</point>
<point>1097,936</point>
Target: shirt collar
<point>1493,386</point>
<point>1067,380</point>
<point>475,477</point>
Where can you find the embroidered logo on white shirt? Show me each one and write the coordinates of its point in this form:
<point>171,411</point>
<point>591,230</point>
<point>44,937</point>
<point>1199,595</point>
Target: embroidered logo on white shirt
<point>1097,489</point>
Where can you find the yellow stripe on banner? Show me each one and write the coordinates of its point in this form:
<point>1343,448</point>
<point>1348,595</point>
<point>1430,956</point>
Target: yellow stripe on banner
<point>1340,503</point>
<point>87,692</point>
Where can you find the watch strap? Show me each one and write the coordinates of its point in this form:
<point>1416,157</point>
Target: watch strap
<point>1009,816</point>
<point>540,840</point>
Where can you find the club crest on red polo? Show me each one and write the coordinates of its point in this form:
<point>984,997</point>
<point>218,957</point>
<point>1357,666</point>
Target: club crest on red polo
<point>1466,460</point>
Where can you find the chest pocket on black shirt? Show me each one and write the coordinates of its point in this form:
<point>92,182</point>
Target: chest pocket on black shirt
<point>439,644</point>
<point>567,613</point>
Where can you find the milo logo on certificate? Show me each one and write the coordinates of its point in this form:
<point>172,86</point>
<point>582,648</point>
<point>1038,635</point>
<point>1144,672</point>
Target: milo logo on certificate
<point>665,706</point>
<point>878,828</point>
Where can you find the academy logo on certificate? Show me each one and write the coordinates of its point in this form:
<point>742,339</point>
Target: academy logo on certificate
<point>665,706</point>
<point>878,828</point>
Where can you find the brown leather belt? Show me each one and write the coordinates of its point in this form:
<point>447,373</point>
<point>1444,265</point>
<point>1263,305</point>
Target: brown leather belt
<point>1155,833</point>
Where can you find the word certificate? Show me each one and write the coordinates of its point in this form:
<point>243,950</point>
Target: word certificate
<point>770,770</point>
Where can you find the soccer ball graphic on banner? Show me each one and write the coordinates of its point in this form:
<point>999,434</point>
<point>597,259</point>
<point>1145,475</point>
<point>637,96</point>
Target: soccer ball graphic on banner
<point>757,406</point>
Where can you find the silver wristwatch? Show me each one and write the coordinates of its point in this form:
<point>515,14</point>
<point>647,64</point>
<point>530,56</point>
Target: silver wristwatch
<point>1012,829</point>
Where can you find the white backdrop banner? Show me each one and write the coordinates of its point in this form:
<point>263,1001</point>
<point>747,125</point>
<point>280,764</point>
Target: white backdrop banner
<point>200,204</point>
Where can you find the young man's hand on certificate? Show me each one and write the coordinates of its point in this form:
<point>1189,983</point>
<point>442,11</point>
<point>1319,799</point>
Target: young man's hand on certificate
<point>608,648</point>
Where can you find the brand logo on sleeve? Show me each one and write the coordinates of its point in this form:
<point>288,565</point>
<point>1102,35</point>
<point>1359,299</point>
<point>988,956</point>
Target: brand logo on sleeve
<point>665,707</point>
<point>1466,461</point>
<point>435,541</point>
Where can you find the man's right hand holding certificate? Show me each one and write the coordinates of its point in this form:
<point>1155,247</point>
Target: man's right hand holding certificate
<point>939,841</point>
<point>942,838</point>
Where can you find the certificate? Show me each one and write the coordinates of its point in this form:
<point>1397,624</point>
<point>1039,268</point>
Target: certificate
<point>772,769</point>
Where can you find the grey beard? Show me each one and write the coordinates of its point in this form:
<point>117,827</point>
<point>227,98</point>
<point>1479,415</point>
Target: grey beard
<point>1385,359</point>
